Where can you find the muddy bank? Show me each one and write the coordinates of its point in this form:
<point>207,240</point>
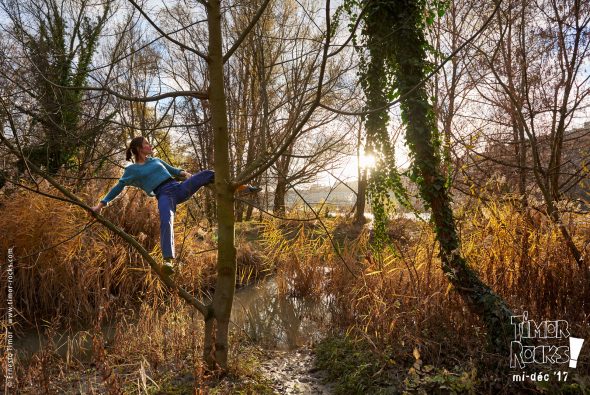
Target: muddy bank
<point>285,328</point>
<point>294,372</point>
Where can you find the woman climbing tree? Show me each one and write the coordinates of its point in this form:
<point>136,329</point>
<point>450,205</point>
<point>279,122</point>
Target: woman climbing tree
<point>155,177</point>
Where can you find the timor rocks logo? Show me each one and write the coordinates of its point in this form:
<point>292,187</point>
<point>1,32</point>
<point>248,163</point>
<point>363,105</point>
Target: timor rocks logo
<point>554,352</point>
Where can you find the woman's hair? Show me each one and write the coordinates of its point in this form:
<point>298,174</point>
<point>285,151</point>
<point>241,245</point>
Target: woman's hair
<point>134,147</point>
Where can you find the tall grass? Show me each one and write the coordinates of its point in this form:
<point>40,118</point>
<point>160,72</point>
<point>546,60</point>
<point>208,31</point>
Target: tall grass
<point>528,262</point>
<point>407,287</point>
<point>63,270</point>
<point>300,252</point>
<point>69,278</point>
<point>398,301</point>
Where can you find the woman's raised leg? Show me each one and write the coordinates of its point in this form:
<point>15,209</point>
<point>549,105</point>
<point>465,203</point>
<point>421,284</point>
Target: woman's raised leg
<point>191,185</point>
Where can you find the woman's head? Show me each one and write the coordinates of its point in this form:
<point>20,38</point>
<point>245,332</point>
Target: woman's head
<point>139,145</point>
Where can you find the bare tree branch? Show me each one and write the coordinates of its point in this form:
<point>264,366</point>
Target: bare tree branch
<point>246,31</point>
<point>167,36</point>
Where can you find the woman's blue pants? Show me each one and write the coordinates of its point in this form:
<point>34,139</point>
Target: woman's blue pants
<point>171,194</point>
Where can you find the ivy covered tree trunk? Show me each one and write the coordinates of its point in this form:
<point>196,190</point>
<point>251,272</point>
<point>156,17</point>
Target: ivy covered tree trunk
<point>374,86</point>
<point>384,177</point>
<point>399,25</point>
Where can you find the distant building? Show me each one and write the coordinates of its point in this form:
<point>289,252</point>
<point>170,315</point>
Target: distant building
<point>496,170</point>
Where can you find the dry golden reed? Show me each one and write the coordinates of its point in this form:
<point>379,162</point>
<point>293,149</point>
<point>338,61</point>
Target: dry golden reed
<point>68,275</point>
<point>401,298</point>
<point>66,267</point>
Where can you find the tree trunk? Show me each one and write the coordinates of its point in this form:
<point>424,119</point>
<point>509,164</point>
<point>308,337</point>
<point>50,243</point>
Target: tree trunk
<point>217,325</point>
<point>249,212</point>
<point>280,194</point>
<point>239,212</point>
<point>361,199</point>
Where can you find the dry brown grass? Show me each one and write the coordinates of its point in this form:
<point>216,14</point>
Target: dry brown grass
<point>397,300</point>
<point>150,348</point>
<point>61,285</point>
<point>400,300</point>
<point>300,252</point>
<point>71,279</point>
<point>153,351</point>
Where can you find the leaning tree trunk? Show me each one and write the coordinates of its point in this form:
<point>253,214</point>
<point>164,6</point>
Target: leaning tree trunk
<point>217,320</point>
<point>408,56</point>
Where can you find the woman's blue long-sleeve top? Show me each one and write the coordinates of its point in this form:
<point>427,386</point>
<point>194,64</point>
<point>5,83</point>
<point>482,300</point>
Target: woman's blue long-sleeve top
<point>145,176</point>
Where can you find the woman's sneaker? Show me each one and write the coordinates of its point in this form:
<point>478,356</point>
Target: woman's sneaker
<point>168,268</point>
<point>246,189</point>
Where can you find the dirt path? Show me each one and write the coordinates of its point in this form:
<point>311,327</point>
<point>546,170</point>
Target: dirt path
<point>293,372</point>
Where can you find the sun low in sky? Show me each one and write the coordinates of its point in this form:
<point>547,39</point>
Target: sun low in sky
<point>366,161</point>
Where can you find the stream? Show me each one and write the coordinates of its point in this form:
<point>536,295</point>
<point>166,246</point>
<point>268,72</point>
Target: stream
<point>284,327</point>
<point>278,322</point>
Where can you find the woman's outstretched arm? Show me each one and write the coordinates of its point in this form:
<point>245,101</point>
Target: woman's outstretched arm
<point>113,193</point>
